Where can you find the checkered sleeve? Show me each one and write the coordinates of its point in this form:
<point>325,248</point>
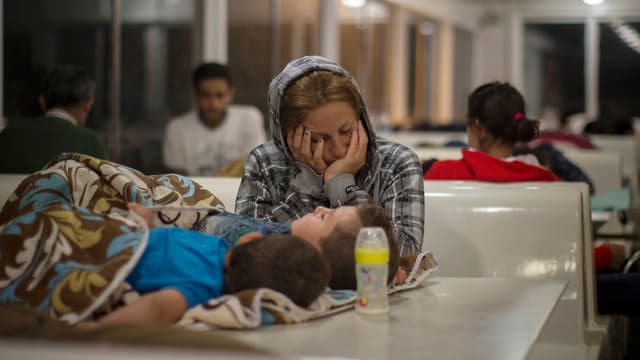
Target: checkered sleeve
<point>402,196</point>
<point>258,196</point>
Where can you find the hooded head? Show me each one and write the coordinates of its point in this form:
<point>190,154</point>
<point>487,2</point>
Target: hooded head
<point>311,82</point>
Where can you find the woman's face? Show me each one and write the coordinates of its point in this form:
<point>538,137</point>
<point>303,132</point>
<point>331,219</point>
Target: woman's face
<point>333,123</point>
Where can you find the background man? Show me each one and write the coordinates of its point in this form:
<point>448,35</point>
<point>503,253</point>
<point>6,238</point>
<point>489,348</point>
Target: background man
<point>67,97</point>
<point>218,134</point>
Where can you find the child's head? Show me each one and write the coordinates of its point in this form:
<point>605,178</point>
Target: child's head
<point>315,226</point>
<point>284,263</point>
<point>339,246</point>
<point>499,110</point>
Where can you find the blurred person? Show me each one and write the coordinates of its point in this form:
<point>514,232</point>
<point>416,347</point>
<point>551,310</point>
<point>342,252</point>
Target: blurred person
<point>67,96</point>
<point>496,122</point>
<point>564,137</point>
<point>217,134</point>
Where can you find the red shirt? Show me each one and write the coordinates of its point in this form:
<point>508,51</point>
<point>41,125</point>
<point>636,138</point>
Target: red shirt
<point>479,166</point>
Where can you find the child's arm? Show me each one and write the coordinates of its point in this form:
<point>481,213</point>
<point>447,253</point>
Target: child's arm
<point>162,307</point>
<point>143,211</point>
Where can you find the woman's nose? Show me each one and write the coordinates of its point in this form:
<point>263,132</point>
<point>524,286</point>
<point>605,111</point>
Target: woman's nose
<point>337,150</point>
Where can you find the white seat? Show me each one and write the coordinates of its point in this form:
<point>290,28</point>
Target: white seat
<point>627,146</point>
<point>8,183</point>
<point>524,230</point>
<point>604,168</point>
<point>415,139</point>
<point>225,188</point>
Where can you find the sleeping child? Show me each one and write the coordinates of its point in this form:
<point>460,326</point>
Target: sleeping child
<point>238,257</point>
<point>182,268</point>
<point>332,231</point>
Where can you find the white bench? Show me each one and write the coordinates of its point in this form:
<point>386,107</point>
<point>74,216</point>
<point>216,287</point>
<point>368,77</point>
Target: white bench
<point>603,168</point>
<point>414,139</point>
<point>524,230</point>
<point>8,183</point>
<point>225,188</point>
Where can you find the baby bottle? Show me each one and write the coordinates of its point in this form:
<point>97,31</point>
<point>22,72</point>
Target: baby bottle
<point>372,258</point>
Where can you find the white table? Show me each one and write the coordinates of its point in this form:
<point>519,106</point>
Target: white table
<point>447,318</point>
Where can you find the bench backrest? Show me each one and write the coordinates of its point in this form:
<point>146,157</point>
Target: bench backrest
<point>524,230</point>
<point>603,168</point>
<point>225,188</point>
<point>8,183</point>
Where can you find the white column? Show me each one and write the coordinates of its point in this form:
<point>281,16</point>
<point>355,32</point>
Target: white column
<point>215,18</point>
<point>1,64</point>
<point>398,77</point>
<point>592,62</point>
<point>329,30</point>
<point>444,74</point>
<point>114,136</point>
<point>297,38</point>
<point>517,50</point>
<point>155,60</point>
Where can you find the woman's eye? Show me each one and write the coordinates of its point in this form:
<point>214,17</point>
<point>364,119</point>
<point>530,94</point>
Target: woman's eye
<point>322,217</point>
<point>345,132</point>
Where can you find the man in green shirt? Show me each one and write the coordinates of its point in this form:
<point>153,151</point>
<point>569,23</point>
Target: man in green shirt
<point>26,145</point>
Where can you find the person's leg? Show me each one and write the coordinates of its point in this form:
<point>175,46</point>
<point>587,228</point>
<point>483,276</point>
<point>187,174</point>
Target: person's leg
<point>619,293</point>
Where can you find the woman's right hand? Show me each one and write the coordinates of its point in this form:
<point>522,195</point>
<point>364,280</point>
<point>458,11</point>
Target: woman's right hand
<point>299,142</point>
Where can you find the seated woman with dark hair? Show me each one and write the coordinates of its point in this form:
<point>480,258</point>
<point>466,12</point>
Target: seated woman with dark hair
<point>496,121</point>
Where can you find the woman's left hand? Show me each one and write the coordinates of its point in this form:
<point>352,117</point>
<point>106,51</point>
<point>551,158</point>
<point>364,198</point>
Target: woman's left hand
<point>355,158</point>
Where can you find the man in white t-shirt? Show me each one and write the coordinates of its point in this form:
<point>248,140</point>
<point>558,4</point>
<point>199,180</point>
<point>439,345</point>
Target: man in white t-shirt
<point>217,134</point>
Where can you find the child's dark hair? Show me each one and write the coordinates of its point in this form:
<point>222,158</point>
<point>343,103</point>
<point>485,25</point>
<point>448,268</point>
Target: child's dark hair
<point>500,108</point>
<point>211,71</point>
<point>339,248</point>
<point>284,263</point>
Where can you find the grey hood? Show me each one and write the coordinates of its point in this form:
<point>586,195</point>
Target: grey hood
<point>294,70</point>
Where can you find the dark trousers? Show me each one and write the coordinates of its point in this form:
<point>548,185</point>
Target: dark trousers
<point>619,293</point>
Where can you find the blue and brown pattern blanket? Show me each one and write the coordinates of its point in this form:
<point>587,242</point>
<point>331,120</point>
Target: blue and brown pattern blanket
<point>67,240</point>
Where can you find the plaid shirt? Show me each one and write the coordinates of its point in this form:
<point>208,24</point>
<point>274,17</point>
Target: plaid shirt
<point>277,188</point>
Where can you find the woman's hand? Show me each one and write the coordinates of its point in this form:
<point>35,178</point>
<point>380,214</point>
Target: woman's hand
<point>355,158</point>
<point>299,142</point>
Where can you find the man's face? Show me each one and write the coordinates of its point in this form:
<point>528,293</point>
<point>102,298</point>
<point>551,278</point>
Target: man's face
<point>316,226</point>
<point>213,96</point>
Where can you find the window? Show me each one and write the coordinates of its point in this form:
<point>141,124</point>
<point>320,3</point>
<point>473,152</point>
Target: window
<point>157,53</point>
<point>554,69</point>
<point>619,75</point>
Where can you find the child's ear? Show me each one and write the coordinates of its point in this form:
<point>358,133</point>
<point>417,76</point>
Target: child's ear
<point>249,237</point>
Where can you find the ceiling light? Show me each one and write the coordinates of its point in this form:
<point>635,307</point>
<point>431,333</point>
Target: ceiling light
<point>593,2</point>
<point>354,3</point>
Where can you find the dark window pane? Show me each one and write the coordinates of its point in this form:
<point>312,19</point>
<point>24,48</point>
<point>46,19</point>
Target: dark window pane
<point>554,67</point>
<point>619,76</point>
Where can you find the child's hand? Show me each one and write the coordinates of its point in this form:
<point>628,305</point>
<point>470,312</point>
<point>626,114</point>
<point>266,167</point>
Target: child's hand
<point>142,211</point>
